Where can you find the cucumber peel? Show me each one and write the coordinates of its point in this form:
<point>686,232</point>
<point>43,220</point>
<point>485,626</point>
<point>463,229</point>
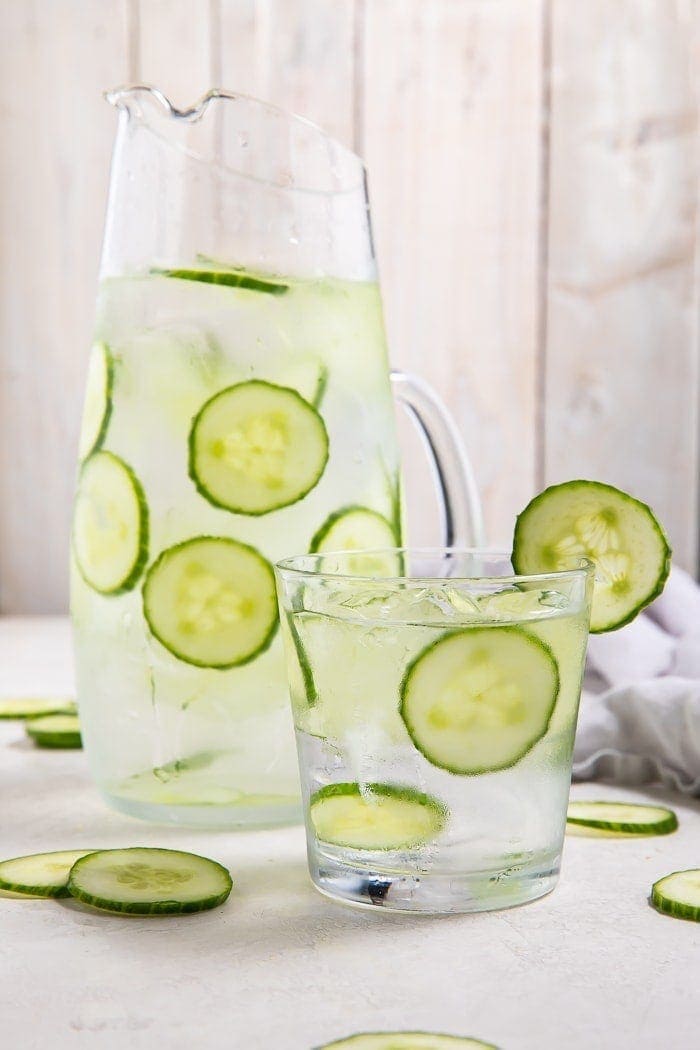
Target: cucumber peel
<point>357,528</point>
<point>40,874</point>
<point>678,895</point>
<point>406,1041</point>
<point>33,707</point>
<point>97,408</point>
<point>56,731</point>
<point>228,278</point>
<point>621,819</point>
<point>376,816</point>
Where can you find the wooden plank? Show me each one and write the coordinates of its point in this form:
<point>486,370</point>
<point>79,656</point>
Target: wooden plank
<point>55,60</point>
<point>452,135</point>
<point>621,363</point>
<point>176,41</point>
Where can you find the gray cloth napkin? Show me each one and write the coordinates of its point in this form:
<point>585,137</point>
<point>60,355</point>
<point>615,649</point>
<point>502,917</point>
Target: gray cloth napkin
<point>640,708</point>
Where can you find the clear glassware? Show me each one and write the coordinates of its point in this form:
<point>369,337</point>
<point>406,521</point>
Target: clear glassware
<point>238,397</point>
<point>435,713</point>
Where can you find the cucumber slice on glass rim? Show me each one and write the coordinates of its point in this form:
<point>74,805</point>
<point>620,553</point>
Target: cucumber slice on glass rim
<point>678,894</point>
<point>211,602</point>
<point>110,524</point>
<point>479,699</point>
<point>98,400</point>
<point>376,816</point>
<point>40,874</point>
<point>228,278</point>
<point>33,707</point>
<point>621,819</point>
<point>618,533</point>
<point>407,1041</point>
<point>256,447</point>
<point>149,881</point>
<point>364,530</point>
<point>57,731</point>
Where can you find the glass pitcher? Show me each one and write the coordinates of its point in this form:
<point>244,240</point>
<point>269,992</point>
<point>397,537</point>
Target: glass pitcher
<point>238,409</point>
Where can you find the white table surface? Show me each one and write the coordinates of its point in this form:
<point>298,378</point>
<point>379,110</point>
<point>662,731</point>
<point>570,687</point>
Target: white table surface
<point>279,967</point>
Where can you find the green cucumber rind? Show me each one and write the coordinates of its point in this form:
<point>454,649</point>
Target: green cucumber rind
<point>352,508</point>
<point>57,741</point>
<point>665,826</point>
<point>359,1041</point>
<point>402,792</point>
<point>264,645</point>
<point>142,907</point>
<point>107,414</point>
<point>230,279</point>
<point>307,675</point>
<point>192,452</point>
<point>654,592</point>
<point>8,713</point>
<point>676,909</point>
<point>38,890</point>
<point>476,771</point>
<point>141,557</point>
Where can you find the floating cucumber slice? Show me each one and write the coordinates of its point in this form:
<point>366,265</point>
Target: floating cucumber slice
<point>479,699</point>
<point>622,819</point>
<point>110,524</point>
<point>587,519</point>
<point>144,881</point>
<point>98,400</point>
<point>41,874</point>
<point>302,684</point>
<point>211,601</point>
<point>229,278</point>
<point>376,816</point>
<point>308,376</point>
<point>407,1041</point>
<point>678,894</point>
<point>360,529</point>
<point>33,707</point>
<point>256,447</point>
<point>55,731</point>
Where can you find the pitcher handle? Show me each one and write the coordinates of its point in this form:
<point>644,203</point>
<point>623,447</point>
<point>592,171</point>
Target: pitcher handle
<point>458,494</point>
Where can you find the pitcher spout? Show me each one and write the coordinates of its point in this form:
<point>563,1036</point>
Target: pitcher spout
<point>144,100</point>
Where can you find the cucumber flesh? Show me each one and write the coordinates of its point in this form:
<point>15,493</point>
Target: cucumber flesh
<point>229,278</point>
<point>621,819</point>
<point>678,894</point>
<point>110,525</point>
<point>211,602</point>
<point>256,447</point>
<point>33,707</point>
<point>364,530</point>
<point>98,400</point>
<point>479,699</point>
<point>407,1041</point>
<point>376,816</point>
<point>145,881</point>
<point>41,874</point>
<point>59,731</point>
<point>619,534</point>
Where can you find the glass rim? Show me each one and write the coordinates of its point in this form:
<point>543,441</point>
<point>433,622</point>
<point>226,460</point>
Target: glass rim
<point>287,567</point>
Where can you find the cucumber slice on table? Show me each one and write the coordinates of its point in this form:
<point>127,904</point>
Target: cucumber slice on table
<point>110,525</point>
<point>621,819</point>
<point>361,529</point>
<point>586,519</point>
<point>59,731</point>
<point>98,400</point>
<point>41,874</point>
<point>256,447</point>
<point>678,894</point>
<point>229,278</point>
<point>406,1041</point>
<point>33,707</point>
<point>211,601</point>
<point>376,816</point>
<point>479,699</point>
<point>145,881</point>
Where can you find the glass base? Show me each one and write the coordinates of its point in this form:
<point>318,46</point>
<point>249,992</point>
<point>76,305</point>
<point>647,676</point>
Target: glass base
<point>246,814</point>
<point>430,893</point>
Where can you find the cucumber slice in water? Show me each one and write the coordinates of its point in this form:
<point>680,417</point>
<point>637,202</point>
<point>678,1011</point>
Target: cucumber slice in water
<point>407,1041</point>
<point>376,816</point>
<point>33,707</point>
<point>622,819</point>
<point>229,278</point>
<point>145,881</point>
<point>678,894</point>
<point>211,601</point>
<point>60,731</point>
<point>110,525</point>
<point>479,699</point>
<point>308,376</point>
<point>256,447</point>
<point>587,519</point>
<point>98,400</point>
<point>41,874</point>
<point>360,529</point>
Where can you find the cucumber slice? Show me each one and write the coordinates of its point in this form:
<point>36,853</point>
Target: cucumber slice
<point>622,819</point>
<point>33,707</point>
<point>678,894</point>
<point>360,529</point>
<point>407,1041</point>
<point>587,519</point>
<point>110,525</point>
<point>98,400</point>
<point>308,376</point>
<point>55,731</point>
<point>41,874</point>
<point>480,698</point>
<point>146,881</point>
<point>256,447</point>
<point>230,278</point>
<point>211,602</point>
<point>376,816</point>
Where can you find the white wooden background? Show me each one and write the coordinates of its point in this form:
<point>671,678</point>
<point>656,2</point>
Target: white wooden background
<point>534,179</point>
